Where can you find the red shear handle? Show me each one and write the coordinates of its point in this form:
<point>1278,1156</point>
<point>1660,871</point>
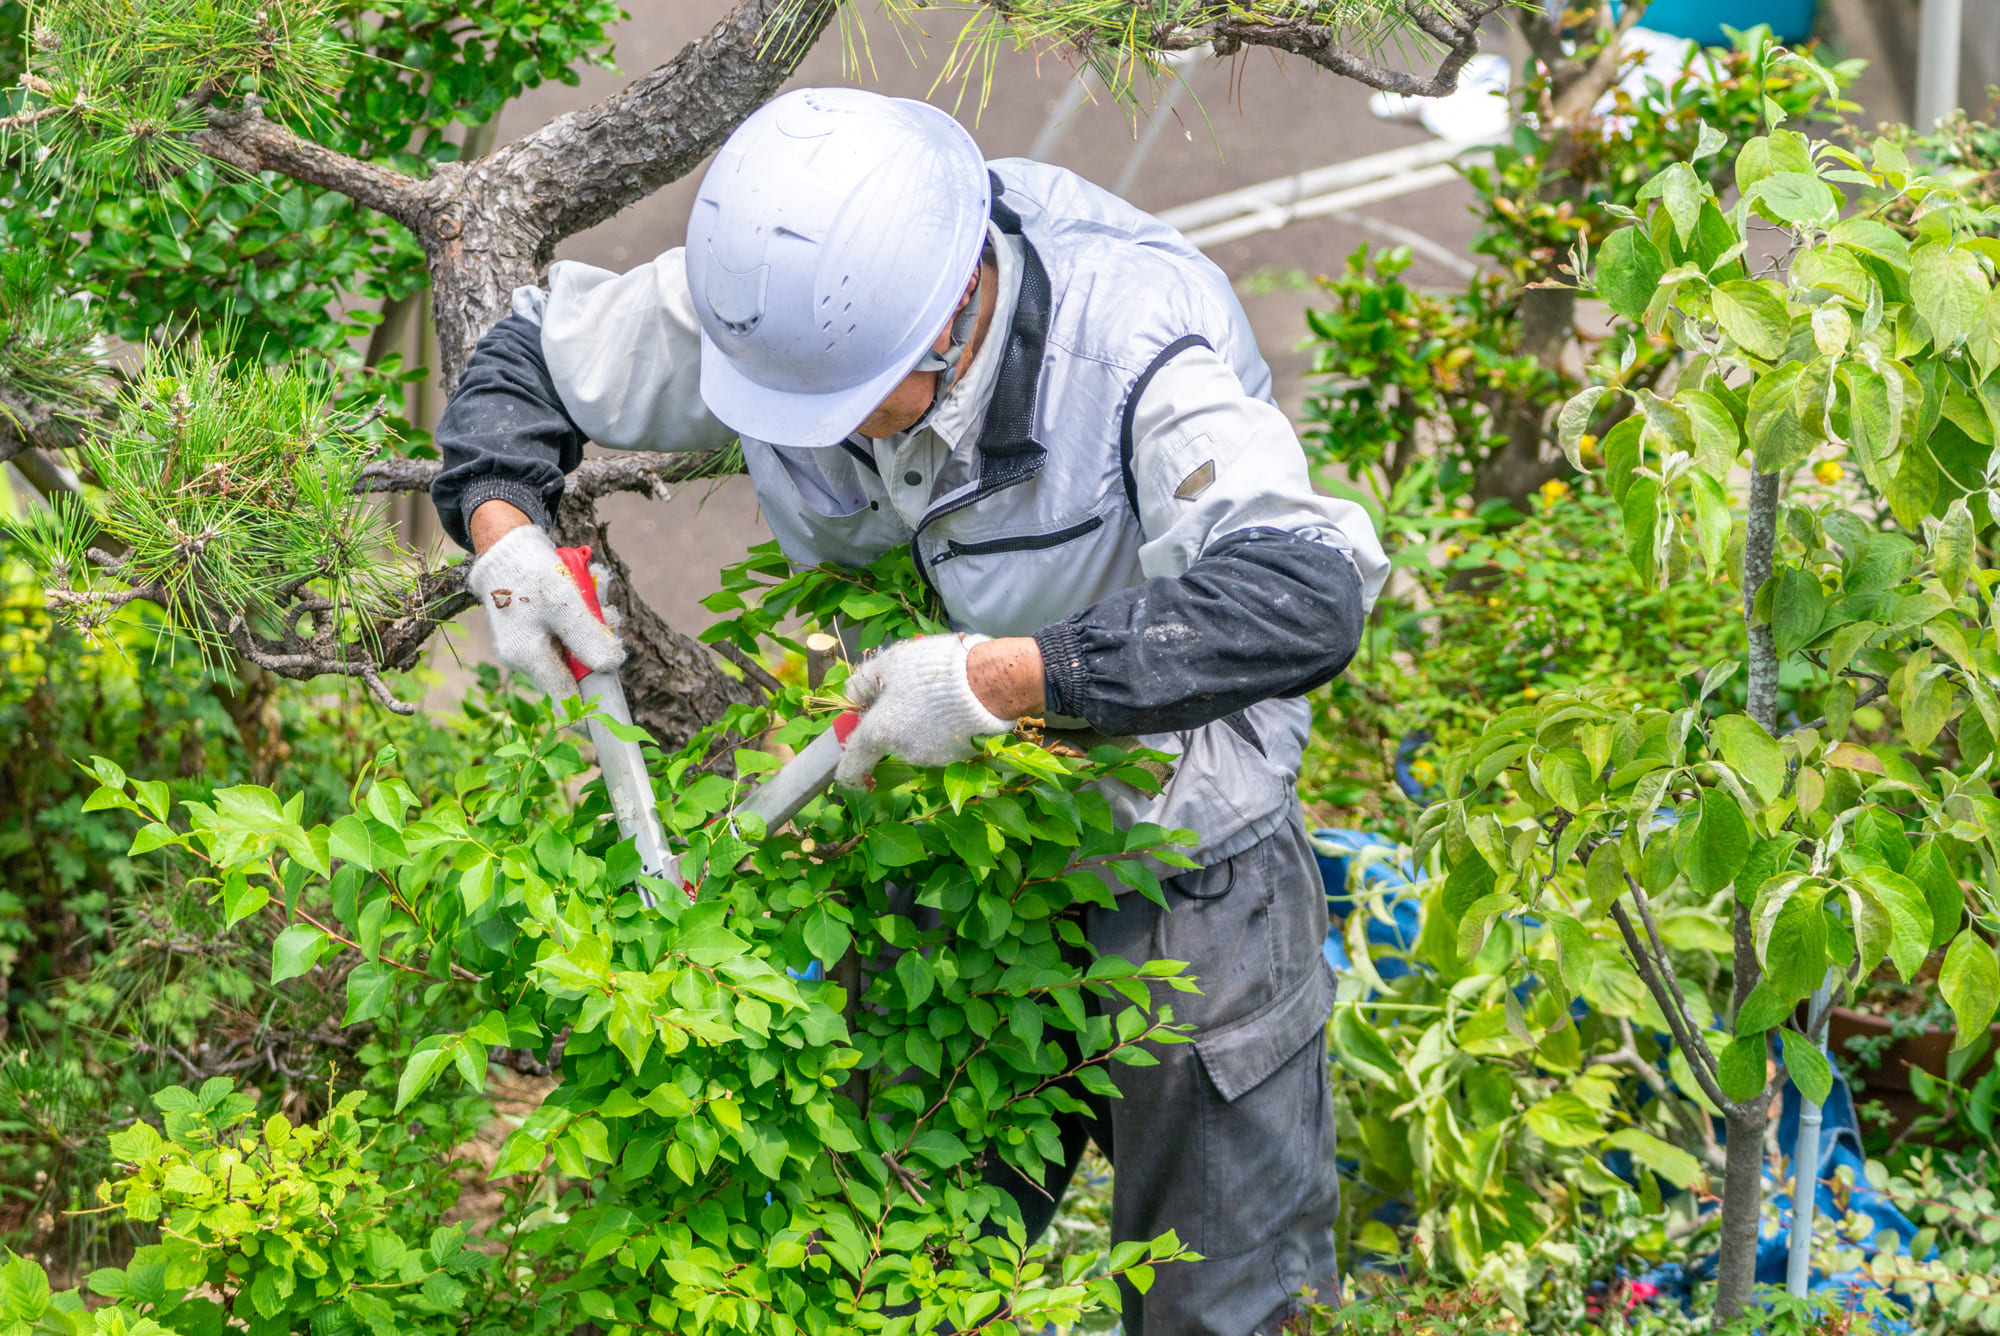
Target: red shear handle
<point>577,559</point>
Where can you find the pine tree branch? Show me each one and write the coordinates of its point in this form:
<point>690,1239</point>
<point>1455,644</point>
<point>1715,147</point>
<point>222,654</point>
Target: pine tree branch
<point>30,426</point>
<point>1454,25</point>
<point>247,139</point>
<point>650,474</point>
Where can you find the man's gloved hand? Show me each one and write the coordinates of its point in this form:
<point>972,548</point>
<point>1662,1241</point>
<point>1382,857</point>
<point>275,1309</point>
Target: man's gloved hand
<point>535,610</point>
<point>915,702</point>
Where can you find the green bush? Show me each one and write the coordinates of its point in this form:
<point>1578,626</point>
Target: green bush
<point>1503,617</point>
<point>736,1142</point>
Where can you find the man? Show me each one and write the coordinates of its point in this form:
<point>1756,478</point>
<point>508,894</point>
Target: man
<point>1058,404</point>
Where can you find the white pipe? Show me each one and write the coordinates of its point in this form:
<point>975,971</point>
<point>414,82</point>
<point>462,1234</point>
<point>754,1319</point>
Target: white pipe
<point>1805,1157</point>
<point>1448,260</point>
<point>1163,112</point>
<point>1277,215</point>
<point>1304,185</point>
<point>1939,37</point>
<point>1074,95</point>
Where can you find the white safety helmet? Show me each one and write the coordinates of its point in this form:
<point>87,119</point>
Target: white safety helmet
<point>830,242</point>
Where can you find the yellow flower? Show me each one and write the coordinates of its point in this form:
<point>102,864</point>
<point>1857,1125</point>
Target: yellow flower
<point>1493,601</point>
<point>1554,490</point>
<point>1530,692</point>
<point>1453,552</point>
<point>1827,471</point>
<point>1586,448</point>
<point>1423,772</point>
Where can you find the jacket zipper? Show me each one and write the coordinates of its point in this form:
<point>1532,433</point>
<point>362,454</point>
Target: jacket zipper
<point>1030,543</point>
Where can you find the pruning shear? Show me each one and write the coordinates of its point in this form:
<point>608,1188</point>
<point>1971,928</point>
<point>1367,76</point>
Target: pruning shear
<point>623,763</point>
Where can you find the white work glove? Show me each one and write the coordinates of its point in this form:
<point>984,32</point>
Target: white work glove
<point>915,702</point>
<point>535,609</point>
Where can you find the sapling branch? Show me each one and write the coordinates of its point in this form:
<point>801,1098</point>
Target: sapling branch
<point>1700,1061</point>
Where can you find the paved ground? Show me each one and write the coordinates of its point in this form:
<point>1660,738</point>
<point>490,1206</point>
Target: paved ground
<point>1247,120</point>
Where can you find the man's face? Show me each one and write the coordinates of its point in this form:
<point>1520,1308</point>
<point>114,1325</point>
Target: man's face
<point>913,394</point>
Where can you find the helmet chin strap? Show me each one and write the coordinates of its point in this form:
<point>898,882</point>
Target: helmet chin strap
<point>947,363</point>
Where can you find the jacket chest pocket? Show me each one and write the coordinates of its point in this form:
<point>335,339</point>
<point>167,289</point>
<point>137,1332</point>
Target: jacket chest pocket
<point>1015,584</point>
<point>1035,542</point>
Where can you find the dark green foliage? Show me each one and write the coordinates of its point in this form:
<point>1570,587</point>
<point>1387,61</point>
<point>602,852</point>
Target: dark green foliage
<point>286,261</point>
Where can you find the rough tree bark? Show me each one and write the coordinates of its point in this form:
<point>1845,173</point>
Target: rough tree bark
<point>1747,1120</point>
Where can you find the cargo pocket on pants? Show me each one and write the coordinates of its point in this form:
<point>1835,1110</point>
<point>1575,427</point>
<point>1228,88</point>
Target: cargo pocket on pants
<point>1263,1115</point>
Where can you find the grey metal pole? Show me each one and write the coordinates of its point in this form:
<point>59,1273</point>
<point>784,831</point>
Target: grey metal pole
<point>1939,37</point>
<point>1805,1155</point>
<point>1075,93</point>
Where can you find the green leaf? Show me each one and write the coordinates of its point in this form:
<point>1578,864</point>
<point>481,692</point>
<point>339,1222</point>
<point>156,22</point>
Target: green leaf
<point>1604,876</point>
<point>1762,1010</point>
<point>1798,606</point>
<point>296,951</point>
<point>1909,916</point>
<point>1668,1161</point>
<point>242,897</point>
<point>1628,272</point>
<point>1970,982</point>
<point>825,936</point>
<point>896,846</point>
<point>1742,1067</point>
<point>1954,552</point>
<point>1778,439</point>
<point>1574,421</point>
<point>1751,753</point>
<point>421,1070</point>
<point>914,972</point>
<point>1361,1046</point>
<point>1806,1065</point>
<point>367,992</point>
<point>1719,844</point>
<point>1795,198</point>
<point>1931,869</point>
<point>1753,315</point>
<point>1949,292</point>
<point>356,840</point>
<point>1915,486</point>
<point>1565,1120</point>
<point>1574,962</point>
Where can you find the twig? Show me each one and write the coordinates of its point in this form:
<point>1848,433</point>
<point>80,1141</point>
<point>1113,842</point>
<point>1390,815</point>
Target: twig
<point>1700,1061</point>
<point>1868,697</point>
<point>752,669</point>
<point>1456,28</point>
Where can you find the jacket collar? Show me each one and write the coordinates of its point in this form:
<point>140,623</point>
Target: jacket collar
<point>1008,450</point>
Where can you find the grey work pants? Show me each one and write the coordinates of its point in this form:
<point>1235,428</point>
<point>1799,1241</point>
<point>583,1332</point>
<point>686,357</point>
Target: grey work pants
<point>1229,1141</point>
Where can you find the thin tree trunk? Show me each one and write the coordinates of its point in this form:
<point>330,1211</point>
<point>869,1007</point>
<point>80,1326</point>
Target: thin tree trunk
<point>1743,1175</point>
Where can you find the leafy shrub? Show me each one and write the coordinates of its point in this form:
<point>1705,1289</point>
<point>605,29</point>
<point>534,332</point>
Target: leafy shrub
<point>1509,615</point>
<point>736,1141</point>
<point>119,978</point>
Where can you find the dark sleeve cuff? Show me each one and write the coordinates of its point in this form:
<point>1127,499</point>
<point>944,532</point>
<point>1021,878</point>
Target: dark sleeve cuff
<point>1263,614</point>
<point>505,432</point>
<point>517,494</point>
<point>1062,667</point>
